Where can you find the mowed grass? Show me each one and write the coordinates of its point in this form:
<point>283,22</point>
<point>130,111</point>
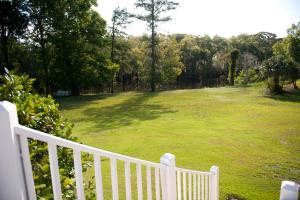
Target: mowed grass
<point>254,139</point>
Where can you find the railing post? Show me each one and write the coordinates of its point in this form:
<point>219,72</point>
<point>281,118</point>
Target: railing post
<point>215,183</point>
<point>12,185</point>
<point>170,180</point>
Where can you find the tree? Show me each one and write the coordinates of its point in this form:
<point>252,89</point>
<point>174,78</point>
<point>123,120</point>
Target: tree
<point>294,30</point>
<point>234,54</point>
<point>153,16</point>
<point>275,69</point>
<point>289,50</point>
<point>13,22</point>
<point>170,65</point>
<point>120,20</point>
<point>78,39</point>
<point>41,21</point>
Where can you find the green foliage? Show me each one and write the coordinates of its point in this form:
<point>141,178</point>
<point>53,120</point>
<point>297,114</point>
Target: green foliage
<point>13,23</point>
<point>153,15</point>
<point>234,54</point>
<point>286,54</point>
<point>250,75</point>
<point>275,69</point>
<point>42,113</point>
<point>83,62</point>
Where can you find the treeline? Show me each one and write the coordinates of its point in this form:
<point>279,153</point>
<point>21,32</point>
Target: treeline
<point>66,45</point>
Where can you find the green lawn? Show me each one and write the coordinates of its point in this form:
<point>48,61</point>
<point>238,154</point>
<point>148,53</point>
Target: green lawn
<point>254,139</point>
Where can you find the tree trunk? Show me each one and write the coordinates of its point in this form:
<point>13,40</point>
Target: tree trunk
<point>4,52</point>
<point>153,57</point>
<point>112,56</point>
<point>277,87</point>
<point>232,72</point>
<point>75,90</point>
<point>295,84</point>
<point>123,82</point>
<point>137,80</point>
<point>112,85</point>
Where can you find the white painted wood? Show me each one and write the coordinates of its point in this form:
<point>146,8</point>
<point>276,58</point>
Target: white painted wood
<point>289,190</point>
<point>190,186</point>
<point>209,188</point>
<point>215,182</point>
<point>194,186</point>
<point>199,186</point>
<point>127,180</point>
<point>184,186</point>
<point>163,183</point>
<point>114,179</point>
<point>12,184</point>
<point>27,167</point>
<point>34,134</point>
<point>206,187</point>
<point>98,177</point>
<point>78,175</point>
<point>179,185</point>
<point>157,184</point>
<point>139,181</point>
<point>193,171</point>
<point>149,183</point>
<point>169,161</point>
<point>55,178</point>
<point>202,186</point>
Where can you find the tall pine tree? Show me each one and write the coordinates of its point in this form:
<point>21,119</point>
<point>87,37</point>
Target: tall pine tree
<point>154,10</point>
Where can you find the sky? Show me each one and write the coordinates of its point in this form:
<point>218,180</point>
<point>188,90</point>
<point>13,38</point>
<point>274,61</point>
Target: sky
<point>216,17</point>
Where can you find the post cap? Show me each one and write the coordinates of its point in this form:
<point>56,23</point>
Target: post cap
<point>167,158</point>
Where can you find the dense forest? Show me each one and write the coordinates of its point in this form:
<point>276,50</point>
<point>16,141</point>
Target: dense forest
<point>66,45</point>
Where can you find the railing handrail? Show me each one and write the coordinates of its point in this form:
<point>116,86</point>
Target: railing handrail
<point>44,137</point>
<point>193,171</point>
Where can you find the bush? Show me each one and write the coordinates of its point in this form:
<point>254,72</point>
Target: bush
<point>42,113</point>
<point>250,75</point>
<point>273,87</point>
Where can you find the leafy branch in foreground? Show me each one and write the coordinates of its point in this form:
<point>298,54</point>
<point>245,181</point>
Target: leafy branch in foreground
<point>42,113</point>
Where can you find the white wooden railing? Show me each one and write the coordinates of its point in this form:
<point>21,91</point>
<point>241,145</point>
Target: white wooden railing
<point>169,182</point>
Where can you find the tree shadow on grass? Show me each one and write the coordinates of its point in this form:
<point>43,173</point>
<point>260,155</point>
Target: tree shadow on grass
<point>126,113</point>
<point>288,96</point>
<point>68,103</point>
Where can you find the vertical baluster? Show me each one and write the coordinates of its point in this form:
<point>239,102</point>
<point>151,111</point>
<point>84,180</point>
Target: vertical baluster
<point>56,186</point>
<point>27,167</point>
<point>114,179</point>
<point>157,181</point>
<point>206,187</point>
<point>199,187</point>
<point>163,183</point>
<point>184,186</point>
<point>202,186</point>
<point>210,187</point>
<point>139,181</point>
<point>194,188</point>
<point>190,186</point>
<point>78,175</point>
<point>98,177</point>
<point>179,185</point>
<point>149,183</point>
<point>128,180</point>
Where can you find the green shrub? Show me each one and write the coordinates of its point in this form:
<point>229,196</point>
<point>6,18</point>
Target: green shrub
<point>250,75</point>
<point>272,87</point>
<point>42,113</point>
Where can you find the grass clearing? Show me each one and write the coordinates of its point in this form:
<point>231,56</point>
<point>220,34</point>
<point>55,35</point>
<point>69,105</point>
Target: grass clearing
<point>254,139</point>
